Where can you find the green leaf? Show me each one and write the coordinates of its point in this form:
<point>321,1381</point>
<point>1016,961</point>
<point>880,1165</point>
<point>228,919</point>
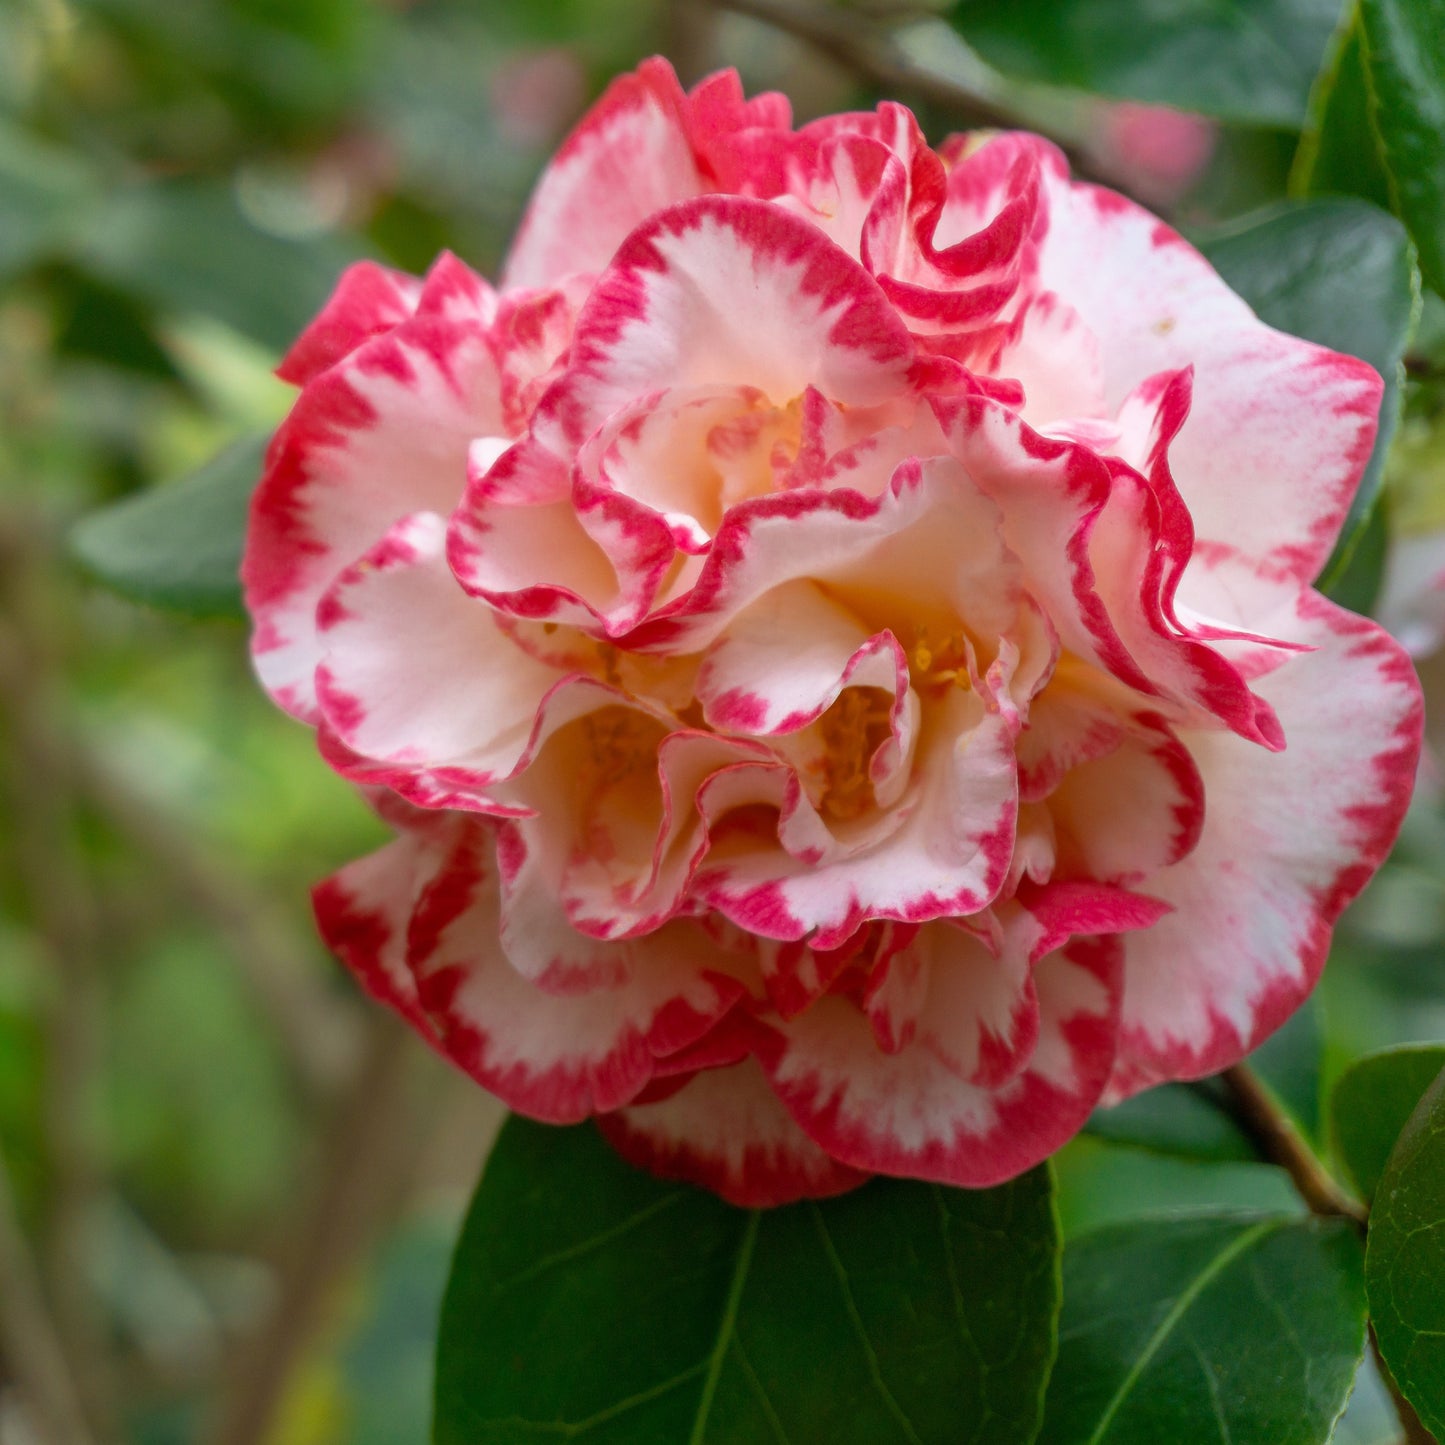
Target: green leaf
<point>1372,1102</point>
<point>1339,272</point>
<point>44,191</point>
<point>1184,1120</point>
<point>1405,1261</point>
<point>1340,152</point>
<point>1208,1328</point>
<point>1098,1184</point>
<point>1405,55</point>
<point>1241,60</point>
<point>187,247</point>
<point>589,1300</point>
<point>178,546</point>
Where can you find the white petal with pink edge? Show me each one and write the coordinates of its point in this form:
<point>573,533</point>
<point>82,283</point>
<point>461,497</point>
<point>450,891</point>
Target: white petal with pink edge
<point>380,435</point>
<point>725,1130</point>
<point>629,157</point>
<point>557,1058</point>
<point>947,849</point>
<point>368,300</point>
<point>909,1114</point>
<point>394,627</point>
<point>1280,429</point>
<point>1289,838</point>
<point>726,291</point>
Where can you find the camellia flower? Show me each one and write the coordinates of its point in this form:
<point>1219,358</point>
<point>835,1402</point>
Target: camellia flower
<point>834,636</point>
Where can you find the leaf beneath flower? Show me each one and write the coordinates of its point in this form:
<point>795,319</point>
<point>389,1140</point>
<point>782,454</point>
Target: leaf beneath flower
<point>588,1300</point>
<point>1206,1328</point>
<point>178,547</point>
<point>1372,1102</point>
<point>1405,1261</point>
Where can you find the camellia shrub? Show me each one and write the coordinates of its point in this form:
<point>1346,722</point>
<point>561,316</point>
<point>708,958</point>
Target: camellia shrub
<point>839,633</point>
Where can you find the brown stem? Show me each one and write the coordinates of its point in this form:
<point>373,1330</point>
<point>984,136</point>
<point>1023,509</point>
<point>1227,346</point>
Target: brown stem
<point>1274,1135</point>
<point>1276,1139</point>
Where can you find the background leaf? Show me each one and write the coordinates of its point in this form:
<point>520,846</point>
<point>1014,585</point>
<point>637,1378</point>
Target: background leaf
<point>1405,1261</point>
<point>1405,54</point>
<point>1190,1121</point>
<point>1217,1327</point>
<point>178,547</point>
<point>588,1295</point>
<point>44,190</point>
<point>1339,272</point>
<point>1340,152</point>
<point>188,247</point>
<point>1372,1102</point>
<point>1245,60</point>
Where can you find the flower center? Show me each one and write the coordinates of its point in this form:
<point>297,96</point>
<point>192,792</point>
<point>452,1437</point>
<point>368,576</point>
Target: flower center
<point>616,782</point>
<point>939,660</point>
<point>619,742</point>
<point>753,451</point>
<point>852,730</point>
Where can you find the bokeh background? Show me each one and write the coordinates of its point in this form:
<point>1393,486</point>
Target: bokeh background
<point>229,1186</point>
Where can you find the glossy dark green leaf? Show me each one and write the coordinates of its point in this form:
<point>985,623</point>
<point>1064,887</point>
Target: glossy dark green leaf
<point>1405,53</point>
<point>178,546</point>
<point>1340,152</point>
<point>590,1300</point>
<point>1207,1328</point>
<point>1099,1184</point>
<point>188,248</point>
<point>1405,1261</point>
<point>1242,60</point>
<point>1372,1102</point>
<point>1339,272</point>
<point>1186,1120</point>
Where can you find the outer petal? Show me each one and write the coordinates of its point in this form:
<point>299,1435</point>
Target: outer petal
<point>1281,429</point>
<point>556,1058</point>
<point>362,913</point>
<point>368,299</point>
<point>629,157</point>
<point>1289,839</point>
<point>395,626</point>
<point>726,1130</point>
<point>383,434</point>
<point>909,1114</point>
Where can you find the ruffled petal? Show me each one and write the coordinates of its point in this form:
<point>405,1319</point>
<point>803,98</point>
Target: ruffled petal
<point>909,1113</point>
<point>1281,429</point>
<point>559,1058</point>
<point>393,626</point>
<point>629,157</point>
<point>1289,838</point>
<point>382,434</point>
<point>368,300</point>
<point>726,291</point>
<point>725,1130</point>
